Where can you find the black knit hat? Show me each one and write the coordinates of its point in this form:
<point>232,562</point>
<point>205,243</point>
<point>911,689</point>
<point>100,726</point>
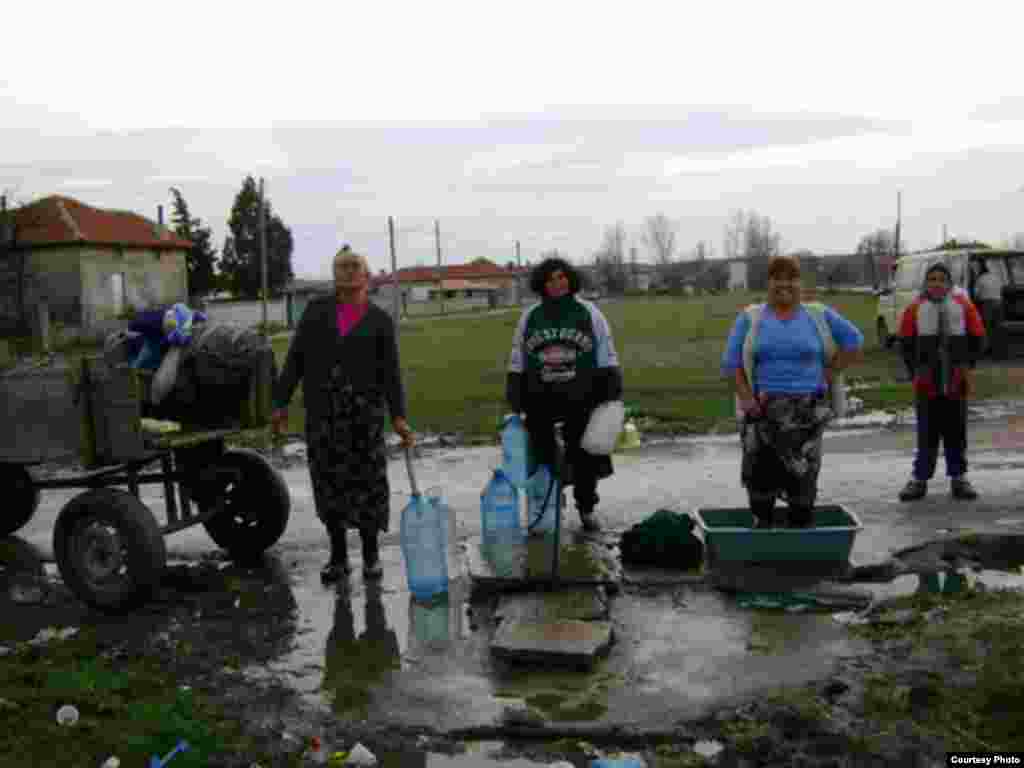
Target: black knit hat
<point>939,266</point>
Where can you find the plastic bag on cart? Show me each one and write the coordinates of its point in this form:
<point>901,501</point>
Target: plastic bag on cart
<point>225,357</point>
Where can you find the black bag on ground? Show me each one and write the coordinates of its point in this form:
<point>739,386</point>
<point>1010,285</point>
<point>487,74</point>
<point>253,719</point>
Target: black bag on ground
<point>664,540</point>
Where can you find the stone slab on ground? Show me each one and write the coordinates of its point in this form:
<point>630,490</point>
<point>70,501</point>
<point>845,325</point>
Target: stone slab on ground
<point>567,642</point>
<point>584,604</point>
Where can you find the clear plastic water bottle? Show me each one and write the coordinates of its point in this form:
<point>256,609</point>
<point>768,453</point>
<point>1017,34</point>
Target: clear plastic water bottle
<point>543,494</point>
<point>424,549</point>
<point>515,450</point>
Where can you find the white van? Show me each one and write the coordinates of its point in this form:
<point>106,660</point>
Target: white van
<point>908,277</point>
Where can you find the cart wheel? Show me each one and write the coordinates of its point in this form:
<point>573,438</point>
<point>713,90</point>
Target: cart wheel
<point>256,505</point>
<point>109,549</point>
<point>22,497</point>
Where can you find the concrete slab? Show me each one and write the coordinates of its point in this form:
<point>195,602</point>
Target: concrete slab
<point>567,642</point>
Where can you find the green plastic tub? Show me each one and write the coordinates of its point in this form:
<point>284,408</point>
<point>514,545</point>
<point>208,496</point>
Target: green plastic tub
<point>729,537</point>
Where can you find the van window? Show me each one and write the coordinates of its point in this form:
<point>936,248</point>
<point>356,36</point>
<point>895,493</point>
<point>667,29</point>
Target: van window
<point>1016,267</point>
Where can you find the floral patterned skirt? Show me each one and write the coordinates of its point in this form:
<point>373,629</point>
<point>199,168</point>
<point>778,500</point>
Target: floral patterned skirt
<point>782,448</point>
<point>348,459</point>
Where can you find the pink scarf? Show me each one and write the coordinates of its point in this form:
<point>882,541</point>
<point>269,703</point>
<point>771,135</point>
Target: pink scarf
<point>349,315</point>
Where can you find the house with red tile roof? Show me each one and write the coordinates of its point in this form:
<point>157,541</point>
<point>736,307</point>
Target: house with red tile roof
<point>89,265</point>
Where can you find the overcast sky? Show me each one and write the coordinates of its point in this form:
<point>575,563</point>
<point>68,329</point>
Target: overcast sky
<point>544,122</point>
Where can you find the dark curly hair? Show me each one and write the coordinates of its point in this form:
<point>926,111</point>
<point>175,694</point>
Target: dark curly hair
<point>540,274</point>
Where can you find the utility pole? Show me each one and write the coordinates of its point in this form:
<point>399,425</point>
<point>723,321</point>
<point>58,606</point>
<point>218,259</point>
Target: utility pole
<point>394,274</point>
<point>263,256</point>
<point>440,278</point>
<point>519,277</point>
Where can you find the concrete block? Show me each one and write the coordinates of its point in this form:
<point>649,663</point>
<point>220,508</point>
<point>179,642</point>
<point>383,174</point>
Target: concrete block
<point>567,642</point>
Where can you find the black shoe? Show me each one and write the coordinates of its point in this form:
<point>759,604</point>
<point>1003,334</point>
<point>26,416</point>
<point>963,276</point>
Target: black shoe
<point>333,572</point>
<point>371,555</point>
<point>914,490</point>
<point>590,522</point>
<point>962,489</point>
<point>337,567</point>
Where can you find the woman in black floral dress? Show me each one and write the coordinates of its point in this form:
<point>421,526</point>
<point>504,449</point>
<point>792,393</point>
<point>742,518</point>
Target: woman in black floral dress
<point>345,351</point>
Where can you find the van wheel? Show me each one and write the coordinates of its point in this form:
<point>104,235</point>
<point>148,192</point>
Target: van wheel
<point>884,339</point>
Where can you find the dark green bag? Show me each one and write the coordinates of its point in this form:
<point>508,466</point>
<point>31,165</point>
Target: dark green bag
<point>665,540</point>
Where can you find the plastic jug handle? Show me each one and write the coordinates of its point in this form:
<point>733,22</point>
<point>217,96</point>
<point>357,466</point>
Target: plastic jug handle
<point>412,475</point>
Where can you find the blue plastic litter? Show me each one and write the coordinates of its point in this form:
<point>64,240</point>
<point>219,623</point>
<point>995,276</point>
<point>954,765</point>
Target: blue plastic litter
<point>156,762</point>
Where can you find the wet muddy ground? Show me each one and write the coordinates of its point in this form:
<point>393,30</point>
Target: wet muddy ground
<point>417,684</point>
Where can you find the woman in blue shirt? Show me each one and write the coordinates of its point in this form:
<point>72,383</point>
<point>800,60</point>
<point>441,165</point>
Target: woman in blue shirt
<point>782,380</point>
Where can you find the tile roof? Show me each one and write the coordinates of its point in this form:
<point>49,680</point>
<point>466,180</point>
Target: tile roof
<point>56,219</point>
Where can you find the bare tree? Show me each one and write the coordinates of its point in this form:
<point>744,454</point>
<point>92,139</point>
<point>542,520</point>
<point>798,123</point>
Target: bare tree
<point>732,243</point>
<point>609,260</point>
<point>873,247</point>
<point>660,237</point>
<point>749,235</point>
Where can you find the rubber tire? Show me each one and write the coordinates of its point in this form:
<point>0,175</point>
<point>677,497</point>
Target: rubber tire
<point>256,509</point>
<point>884,338</point>
<point>22,497</point>
<point>143,548</point>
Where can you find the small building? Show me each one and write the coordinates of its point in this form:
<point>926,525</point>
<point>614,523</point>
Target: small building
<point>89,266</point>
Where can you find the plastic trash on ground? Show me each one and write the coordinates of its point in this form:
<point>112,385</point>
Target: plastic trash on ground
<point>67,715</point>
<point>360,755</point>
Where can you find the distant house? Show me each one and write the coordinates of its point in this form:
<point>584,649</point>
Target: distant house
<point>89,265</point>
<point>483,282</point>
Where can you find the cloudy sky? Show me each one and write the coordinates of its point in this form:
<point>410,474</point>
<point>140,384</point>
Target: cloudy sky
<point>543,122</point>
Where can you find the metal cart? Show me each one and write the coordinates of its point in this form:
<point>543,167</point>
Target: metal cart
<point>108,544</point>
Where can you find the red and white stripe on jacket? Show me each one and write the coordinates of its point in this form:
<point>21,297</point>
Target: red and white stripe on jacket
<point>920,322</point>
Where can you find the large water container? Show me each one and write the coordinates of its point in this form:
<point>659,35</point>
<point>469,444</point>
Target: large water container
<point>424,548</point>
<point>517,461</point>
<point>499,504</point>
<point>543,493</point>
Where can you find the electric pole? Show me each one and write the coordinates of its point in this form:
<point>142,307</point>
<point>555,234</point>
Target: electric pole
<point>263,255</point>
<point>394,274</point>
<point>440,277</point>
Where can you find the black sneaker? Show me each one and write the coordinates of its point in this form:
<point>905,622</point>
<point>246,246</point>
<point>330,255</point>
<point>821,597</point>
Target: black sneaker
<point>914,490</point>
<point>962,489</point>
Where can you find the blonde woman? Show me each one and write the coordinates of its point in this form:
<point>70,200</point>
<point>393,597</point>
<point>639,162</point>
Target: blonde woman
<point>345,352</point>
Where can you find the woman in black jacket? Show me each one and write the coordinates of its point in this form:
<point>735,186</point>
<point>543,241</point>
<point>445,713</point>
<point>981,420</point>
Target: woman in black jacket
<point>346,353</point>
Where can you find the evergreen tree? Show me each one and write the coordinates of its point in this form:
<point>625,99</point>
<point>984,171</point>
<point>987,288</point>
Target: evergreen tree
<point>240,258</point>
<point>202,256</point>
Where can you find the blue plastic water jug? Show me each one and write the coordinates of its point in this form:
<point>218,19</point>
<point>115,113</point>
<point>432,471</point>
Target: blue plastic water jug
<point>543,493</point>
<point>499,505</point>
<point>424,548</point>
<point>517,461</point>
<point>615,762</point>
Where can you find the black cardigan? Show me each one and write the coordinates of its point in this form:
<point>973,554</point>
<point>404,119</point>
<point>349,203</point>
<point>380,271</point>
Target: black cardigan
<point>368,357</point>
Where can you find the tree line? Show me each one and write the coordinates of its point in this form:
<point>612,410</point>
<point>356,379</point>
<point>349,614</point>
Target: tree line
<point>238,267</point>
<point>748,235</point>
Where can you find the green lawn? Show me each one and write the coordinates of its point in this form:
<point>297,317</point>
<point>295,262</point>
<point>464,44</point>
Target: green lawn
<point>670,349</point>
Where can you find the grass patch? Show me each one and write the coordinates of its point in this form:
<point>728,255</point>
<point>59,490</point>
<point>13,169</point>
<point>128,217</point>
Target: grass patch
<point>670,349</point>
<point>132,708</point>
